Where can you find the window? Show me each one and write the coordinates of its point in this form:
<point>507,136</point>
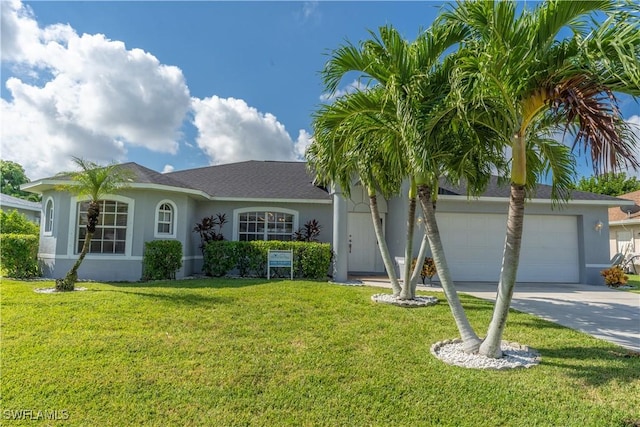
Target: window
<point>265,225</point>
<point>48,217</point>
<point>165,219</point>
<point>111,233</point>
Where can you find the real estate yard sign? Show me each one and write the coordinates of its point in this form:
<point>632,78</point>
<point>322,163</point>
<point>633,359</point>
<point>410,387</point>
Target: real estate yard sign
<point>279,259</point>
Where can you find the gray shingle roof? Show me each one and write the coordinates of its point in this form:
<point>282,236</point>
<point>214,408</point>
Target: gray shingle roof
<point>141,175</point>
<point>495,189</point>
<point>17,203</point>
<point>149,176</point>
<point>255,180</point>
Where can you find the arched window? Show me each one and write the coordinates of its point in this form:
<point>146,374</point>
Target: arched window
<point>165,219</point>
<point>265,224</point>
<point>48,217</point>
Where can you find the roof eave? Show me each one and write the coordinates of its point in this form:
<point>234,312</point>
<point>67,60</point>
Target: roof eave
<point>625,222</point>
<point>41,186</point>
<point>271,200</point>
<point>18,206</point>
<point>608,203</point>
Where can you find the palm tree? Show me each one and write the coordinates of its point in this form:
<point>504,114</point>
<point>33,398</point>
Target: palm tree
<point>341,151</point>
<point>410,123</point>
<point>524,76</point>
<point>398,67</point>
<point>95,182</point>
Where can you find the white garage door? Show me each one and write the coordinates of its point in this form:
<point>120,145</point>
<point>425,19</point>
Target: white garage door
<point>473,244</point>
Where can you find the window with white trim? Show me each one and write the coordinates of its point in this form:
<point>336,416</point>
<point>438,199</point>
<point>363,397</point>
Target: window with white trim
<point>265,225</point>
<point>48,217</point>
<point>111,232</point>
<point>164,221</point>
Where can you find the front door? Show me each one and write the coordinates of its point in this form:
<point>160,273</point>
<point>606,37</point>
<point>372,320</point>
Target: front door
<point>364,254</point>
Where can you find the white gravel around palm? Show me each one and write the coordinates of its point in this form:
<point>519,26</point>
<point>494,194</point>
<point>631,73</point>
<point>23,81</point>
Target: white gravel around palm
<point>514,356</point>
<point>53,290</point>
<point>415,302</point>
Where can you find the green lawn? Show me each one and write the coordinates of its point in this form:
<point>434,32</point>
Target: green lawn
<point>634,280</point>
<point>251,352</point>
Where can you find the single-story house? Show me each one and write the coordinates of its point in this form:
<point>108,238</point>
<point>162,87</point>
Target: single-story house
<point>624,227</point>
<point>31,210</point>
<point>271,200</point>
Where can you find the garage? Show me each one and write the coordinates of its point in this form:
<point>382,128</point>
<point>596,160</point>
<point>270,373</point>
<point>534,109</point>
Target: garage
<point>473,244</point>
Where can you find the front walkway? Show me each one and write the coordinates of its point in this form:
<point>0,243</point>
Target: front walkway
<point>604,313</point>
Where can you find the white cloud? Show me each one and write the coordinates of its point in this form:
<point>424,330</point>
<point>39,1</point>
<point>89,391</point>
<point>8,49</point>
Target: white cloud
<point>300,146</point>
<point>309,8</point>
<point>309,13</point>
<point>168,169</point>
<point>354,86</point>
<point>97,97</point>
<point>229,131</point>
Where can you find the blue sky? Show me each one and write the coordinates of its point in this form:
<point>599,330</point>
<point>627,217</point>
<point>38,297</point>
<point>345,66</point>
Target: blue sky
<point>175,85</point>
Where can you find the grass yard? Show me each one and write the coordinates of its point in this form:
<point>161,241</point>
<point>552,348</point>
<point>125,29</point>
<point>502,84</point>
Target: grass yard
<point>257,353</point>
<point>634,281</point>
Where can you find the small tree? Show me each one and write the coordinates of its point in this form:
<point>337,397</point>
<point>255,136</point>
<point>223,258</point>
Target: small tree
<point>94,181</point>
<point>610,184</point>
<point>210,229</point>
<point>11,176</point>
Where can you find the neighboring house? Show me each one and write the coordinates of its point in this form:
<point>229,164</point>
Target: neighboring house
<point>624,227</point>
<point>29,209</point>
<point>268,200</point>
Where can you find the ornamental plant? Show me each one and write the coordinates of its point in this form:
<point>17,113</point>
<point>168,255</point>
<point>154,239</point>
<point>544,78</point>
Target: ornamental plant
<point>308,233</point>
<point>614,276</point>
<point>428,269</point>
<point>210,229</point>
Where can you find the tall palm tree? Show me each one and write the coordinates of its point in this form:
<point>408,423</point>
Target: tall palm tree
<point>95,182</point>
<point>527,74</point>
<point>341,151</point>
<point>398,67</point>
<point>411,124</point>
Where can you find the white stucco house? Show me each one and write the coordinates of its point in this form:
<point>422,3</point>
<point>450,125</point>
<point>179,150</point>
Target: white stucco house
<point>624,229</point>
<point>270,200</point>
<point>31,210</point>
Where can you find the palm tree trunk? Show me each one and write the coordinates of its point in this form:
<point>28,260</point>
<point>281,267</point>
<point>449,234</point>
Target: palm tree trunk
<point>69,282</point>
<point>470,340</point>
<point>407,288</point>
<point>422,253</point>
<point>382,243</point>
<point>511,256</point>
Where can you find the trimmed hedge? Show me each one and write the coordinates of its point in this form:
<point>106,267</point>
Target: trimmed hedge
<point>19,255</point>
<point>310,260</point>
<point>161,259</point>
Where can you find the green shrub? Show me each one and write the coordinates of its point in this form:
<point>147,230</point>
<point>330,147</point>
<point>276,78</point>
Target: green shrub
<point>161,260</point>
<point>16,223</point>
<point>19,255</point>
<point>310,260</point>
<point>219,257</point>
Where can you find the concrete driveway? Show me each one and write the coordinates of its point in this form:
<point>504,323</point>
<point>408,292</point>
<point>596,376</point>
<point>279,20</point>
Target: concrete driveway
<point>604,313</point>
